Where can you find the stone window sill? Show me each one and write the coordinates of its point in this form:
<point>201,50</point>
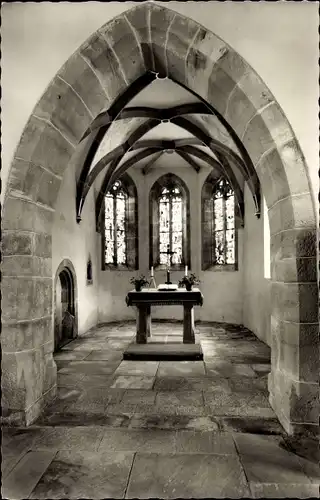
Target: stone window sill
<point>180,267</point>
<point>111,267</point>
<point>223,268</point>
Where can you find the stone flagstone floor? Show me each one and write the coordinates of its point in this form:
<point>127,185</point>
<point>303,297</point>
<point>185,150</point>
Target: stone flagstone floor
<point>136,429</point>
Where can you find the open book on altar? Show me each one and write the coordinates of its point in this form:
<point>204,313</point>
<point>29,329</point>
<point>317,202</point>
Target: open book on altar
<point>167,287</point>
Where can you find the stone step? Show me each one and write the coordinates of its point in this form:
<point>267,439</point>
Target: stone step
<point>164,352</point>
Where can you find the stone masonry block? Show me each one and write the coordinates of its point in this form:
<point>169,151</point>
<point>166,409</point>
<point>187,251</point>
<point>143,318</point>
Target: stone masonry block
<point>219,89</point>
<point>233,65</point>
<point>37,139</point>
<point>43,297</point>
<point>294,402</point>
<point>178,49</point>
<point>299,334</point>
<point>255,90</point>
<point>240,110</point>
<point>13,390</point>
<point>273,177</point>
<point>297,211</point>
<point>294,167</point>
<point>298,242</point>
<point>17,243</point>
<point>48,190</point>
<point>61,106</point>
<point>277,124</point>
<point>42,245</point>
<point>105,65</point>
<point>300,362</point>
<point>49,371</point>
<point>294,270</point>
<point>275,221</point>
<point>180,35</point>
<point>20,214</point>
<point>160,21</point>
<point>25,298</point>
<point>24,178</point>
<point>288,213</point>
<point>26,335</point>
<point>138,19</point>
<point>121,39</point>
<point>295,302</point>
<point>257,138</point>
<point>304,399</point>
<point>81,77</point>
<point>25,265</point>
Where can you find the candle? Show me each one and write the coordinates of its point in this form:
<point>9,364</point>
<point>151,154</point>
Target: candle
<point>186,271</point>
<point>151,271</point>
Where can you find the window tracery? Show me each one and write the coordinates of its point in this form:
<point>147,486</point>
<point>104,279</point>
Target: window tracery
<point>219,233</point>
<point>169,223</point>
<point>120,226</point>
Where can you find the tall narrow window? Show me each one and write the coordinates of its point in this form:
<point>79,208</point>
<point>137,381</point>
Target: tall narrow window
<point>170,230</point>
<point>115,225</point>
<point>119,226</point>
<point>223,227</point>
<point>266,238</point>
<point>169,223</point>
<point>219,235</point>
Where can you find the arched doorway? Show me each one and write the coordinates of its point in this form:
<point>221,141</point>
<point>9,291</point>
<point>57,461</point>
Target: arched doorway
<point>146,41</point>
<point>64,309</point>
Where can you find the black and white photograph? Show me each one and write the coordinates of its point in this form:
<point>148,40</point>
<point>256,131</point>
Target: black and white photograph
<point>160,250</point>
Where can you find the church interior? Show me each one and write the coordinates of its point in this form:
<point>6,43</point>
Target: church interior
<point>160,144</point>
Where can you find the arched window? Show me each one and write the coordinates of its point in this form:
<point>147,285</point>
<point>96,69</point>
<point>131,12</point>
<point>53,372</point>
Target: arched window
<point>115,225</point>
<point>266,241</point>
<point>120,238</point>
<point>169,223</point>
<point>219,235</point>
<point>89,271</point>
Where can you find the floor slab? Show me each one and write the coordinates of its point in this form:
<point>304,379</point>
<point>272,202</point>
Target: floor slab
<point>68,438</point>
<point>142,368</point>
<point>265,461</point>
<point>24,477</point>
<point>187,476</point>
<point>181,369</point>
<point>85,475</point>
<point>157,441</point>
<point>132,382</point>
<point>284,490</point>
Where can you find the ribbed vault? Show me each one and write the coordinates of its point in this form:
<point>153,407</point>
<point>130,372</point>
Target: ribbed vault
<point>205,131</point>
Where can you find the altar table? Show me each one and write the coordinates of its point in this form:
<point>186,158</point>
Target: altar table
<point>151,296</point>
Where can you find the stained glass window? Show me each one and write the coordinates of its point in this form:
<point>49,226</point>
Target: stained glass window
<point>170,226</point>
<point>224,224</point>
<point>115,225</point>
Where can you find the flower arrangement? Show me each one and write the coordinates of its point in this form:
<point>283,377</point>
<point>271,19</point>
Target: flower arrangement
<point>139,282</point>
<point>189,281</point>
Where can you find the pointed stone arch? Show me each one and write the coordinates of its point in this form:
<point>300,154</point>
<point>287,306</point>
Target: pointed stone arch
<point>153,38</point>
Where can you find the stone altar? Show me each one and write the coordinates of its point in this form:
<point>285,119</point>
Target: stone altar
<point>147,297</point>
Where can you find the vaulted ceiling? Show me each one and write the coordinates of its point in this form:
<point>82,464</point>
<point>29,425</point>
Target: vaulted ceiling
<point>155,117</point>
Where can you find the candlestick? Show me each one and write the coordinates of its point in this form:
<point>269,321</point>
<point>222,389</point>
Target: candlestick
<point>151,274</point>
<point>186,271</point>
<point>168,282</point>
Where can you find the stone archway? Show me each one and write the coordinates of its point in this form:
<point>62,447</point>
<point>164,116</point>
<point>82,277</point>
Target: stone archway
<point>153,38</point>
<point>65,305</point>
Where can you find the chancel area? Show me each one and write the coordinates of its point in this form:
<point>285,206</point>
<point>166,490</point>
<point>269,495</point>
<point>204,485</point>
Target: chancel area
<point>160,333</point>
